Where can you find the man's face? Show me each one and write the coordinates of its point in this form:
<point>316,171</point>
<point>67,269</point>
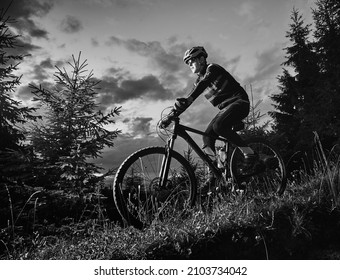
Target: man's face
<point>194,65</point>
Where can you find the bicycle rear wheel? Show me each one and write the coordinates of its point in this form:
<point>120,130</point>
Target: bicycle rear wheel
<point>137,194</point>
<point>267,176</point>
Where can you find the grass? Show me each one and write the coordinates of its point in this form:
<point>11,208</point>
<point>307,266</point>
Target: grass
<point>303,223</point>
<point>258,228</point>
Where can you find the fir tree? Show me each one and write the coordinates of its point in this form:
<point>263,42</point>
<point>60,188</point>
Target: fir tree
<point>297,96</point>
<point>12,114</point>
<point>327,33</point>
<point>253,125</point>
<point>15,155</point>
<point>74,130</point>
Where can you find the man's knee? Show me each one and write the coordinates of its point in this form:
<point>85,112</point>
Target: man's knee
<point>208,142</point>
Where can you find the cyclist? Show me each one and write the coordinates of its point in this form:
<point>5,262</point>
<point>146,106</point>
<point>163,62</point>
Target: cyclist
<point>224,92</point>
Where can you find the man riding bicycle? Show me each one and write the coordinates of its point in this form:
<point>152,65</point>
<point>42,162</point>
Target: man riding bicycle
<point>224,92</point>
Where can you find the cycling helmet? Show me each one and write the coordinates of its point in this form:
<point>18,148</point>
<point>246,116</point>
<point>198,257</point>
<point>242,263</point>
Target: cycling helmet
<point>194,52</point>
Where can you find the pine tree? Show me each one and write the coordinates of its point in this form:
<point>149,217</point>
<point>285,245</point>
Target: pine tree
<point>253,124</point>
<point>297,96</point>
<point>15,155</point>
<point>12,114</point>
<point>74,131</point>
<point>327,33</point>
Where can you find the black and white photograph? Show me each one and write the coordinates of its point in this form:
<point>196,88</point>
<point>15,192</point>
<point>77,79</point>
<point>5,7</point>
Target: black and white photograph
<point>201,137</point>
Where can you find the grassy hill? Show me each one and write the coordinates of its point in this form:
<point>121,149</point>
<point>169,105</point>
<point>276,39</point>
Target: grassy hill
<point>302,224</point>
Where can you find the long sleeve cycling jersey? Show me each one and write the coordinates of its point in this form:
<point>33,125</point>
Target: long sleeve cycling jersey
<point>218,86</point>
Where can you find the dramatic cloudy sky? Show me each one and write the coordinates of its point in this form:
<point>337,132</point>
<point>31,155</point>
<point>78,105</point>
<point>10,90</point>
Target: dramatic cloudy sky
<point>135,48</point>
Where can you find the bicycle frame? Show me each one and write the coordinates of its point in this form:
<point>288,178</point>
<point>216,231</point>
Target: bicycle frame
<point>181,130</point>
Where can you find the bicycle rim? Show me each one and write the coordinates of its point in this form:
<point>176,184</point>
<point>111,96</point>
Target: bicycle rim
<point>137,194</point>
<point>266,177</point>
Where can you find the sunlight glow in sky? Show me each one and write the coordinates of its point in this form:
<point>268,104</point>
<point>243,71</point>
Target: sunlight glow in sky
<point>135,48</point>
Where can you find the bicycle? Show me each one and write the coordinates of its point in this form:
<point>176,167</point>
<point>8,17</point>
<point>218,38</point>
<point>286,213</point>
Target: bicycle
<point>158,181</point>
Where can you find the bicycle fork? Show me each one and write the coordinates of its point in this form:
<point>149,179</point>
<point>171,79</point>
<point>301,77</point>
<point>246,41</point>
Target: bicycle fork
<point>164,172</point>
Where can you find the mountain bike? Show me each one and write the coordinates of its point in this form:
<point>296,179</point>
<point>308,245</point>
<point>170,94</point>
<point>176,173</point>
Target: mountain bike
<point>158,182</point>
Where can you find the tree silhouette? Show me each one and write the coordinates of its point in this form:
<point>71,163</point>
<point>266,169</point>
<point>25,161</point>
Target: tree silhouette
<point>15,154</point>
<point>12,114</point>
<point>327,33</point>
<point>296,103</point>
<point>74,129</point>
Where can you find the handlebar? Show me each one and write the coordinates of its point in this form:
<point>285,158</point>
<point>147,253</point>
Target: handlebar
<point>166,121</point>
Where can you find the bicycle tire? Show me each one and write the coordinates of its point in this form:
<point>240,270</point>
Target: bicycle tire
<point>271,177</point>
<point>136,192</point>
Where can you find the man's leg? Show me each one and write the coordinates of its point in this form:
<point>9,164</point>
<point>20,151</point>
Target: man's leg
<point>209,141</point>
<point>209,149</point>
<point>224,122</point>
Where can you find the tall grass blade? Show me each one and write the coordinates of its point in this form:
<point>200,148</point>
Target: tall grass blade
<point>330,174</point>
<point>11,209</point>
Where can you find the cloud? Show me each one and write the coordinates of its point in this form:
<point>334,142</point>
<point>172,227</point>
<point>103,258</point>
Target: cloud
<point>47,63</point>
<point>246,9</point>
<point>268,64</point>
<point>27,8</point>
<point>24,92</point>
<point>167,61</point>
<point>148,86</point>
<point>119,89</point>
<point>22,12</point>
<point>254,15</point>
<point>125,145</point>
<point>39,73</point>
<point>119,7</point>
<point>29,26</point>
<point>42,71</point>
<point>140,126</point>
<point>71,24</point>
<point>23,47</point>
<point>263,83</point>
<point>94,42</point>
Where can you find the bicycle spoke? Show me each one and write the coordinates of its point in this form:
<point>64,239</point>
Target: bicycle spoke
<point>267,176</point>
<point>141,196</point>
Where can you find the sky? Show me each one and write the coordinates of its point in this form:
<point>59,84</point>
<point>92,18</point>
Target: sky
<point>135,48</point>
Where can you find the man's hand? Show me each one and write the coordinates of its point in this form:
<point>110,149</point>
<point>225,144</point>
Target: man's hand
<point>165,122</point>
<point>181,104</point>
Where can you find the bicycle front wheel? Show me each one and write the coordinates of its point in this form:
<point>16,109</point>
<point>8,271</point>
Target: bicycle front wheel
<point>138,195</point>
<point>267,176</point>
